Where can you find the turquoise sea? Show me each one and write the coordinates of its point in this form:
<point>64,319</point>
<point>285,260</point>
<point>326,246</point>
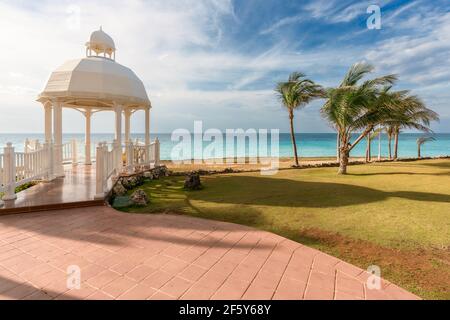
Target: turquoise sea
<point>310,144</point>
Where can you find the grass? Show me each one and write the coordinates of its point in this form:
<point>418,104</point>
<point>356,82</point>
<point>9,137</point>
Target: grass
<point>20,188</point>
<point>395,215</point>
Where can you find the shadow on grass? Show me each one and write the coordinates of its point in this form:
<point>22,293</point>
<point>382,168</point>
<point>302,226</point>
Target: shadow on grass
<point>398,173</point>
<point>248,190</point>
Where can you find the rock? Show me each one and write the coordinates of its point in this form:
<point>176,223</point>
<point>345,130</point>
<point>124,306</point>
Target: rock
<point>119,189</point>
<point>148,175</point>
<point>139,197</point>
<point>131,182</point>
<point>192,181</point>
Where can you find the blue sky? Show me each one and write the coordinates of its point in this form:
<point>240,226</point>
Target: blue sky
<point>219,60</point>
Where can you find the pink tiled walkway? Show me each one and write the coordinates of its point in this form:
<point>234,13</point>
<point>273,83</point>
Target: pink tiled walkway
<point>128,256</point>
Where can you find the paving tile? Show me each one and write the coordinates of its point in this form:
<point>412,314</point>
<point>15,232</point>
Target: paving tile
<point>176,287</point>
<point>157,279</point>
<point>349,285</point>
<point>319,293</point>
<point>118,286</point>
<point>83,292</point>
<point>290,289</point>
<point>103,278</point>
<point>140,272</point>
<point>198,292</point>
<point>232,289</point>
<point>138,292</point>
<point>18,292</point>
<point>174,267</point>
<point>98,295</point>
<point>161,296</point>
<point>192,273</point>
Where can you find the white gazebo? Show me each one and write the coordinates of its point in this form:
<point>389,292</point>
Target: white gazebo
<point>91,84</point>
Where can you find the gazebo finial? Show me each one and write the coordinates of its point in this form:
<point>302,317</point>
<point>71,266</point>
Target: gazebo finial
<point>101,43</point>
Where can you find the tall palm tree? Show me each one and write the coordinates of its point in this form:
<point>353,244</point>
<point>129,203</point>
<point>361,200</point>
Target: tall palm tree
<point>420,142</point>
<point>355,106</point>
<point>294,94</point>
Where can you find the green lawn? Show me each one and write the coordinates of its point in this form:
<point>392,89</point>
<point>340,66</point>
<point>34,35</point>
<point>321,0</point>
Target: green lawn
<point>395,215</point>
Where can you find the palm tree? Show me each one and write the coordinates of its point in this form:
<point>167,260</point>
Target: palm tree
<point>390,130</point>
<point>353,107</point>
<point>370,137</point>
<point>420,142</point>
<point>294,94</point>
<point>409,112</point>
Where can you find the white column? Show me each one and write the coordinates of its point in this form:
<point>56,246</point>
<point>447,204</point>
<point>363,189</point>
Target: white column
<point>9,172</point>
<point>87,138</point>
<point>118,136</point>
<point>147,136</point>
<point>57,138</point>
<point>99,172</point>
<point>48,122</point>
<point>147,126</point>
<point>127,113</point>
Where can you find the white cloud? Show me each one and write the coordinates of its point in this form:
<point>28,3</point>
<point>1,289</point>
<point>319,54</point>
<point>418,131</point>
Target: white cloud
<point>176,49</point>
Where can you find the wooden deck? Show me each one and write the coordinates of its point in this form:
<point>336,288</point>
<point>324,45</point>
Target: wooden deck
<point>76,189</point>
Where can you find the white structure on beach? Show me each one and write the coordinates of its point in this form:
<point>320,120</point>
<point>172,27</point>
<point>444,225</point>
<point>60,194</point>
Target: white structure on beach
<point>91,84</point>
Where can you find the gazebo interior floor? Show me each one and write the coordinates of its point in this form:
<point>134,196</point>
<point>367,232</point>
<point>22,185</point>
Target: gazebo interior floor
<point>75,189</point>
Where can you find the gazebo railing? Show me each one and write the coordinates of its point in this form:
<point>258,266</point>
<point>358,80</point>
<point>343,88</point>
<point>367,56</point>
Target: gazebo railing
<point>107,165</point>
<point>70,152</point>
<point>110,161</point>
<point>19,168</point>
<point>2,166</point>
<point>38,161</point>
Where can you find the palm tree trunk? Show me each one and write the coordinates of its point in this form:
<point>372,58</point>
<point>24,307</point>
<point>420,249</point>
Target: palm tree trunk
<point>338,145</point>
<point>396,145</point>
<point>343,160</point>
<point>390,146</point>
<point>294,144</point>
<point>369,148</point>
<point>379,145</point>
<point>418,151</point>
<point>344,152</point>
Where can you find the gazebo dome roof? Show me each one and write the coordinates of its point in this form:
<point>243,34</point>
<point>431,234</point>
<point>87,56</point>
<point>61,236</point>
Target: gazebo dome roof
<point>95,81</point>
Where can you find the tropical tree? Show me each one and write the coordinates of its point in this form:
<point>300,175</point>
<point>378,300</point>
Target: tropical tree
<point>390,130</point>
<point>370,137</point>
<point>294,94</point>
<point>408,112</point>
<point>355,106</point>
<point>420,142</point>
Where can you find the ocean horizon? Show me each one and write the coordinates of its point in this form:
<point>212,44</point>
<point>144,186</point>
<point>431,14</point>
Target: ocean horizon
<point>309,144</point>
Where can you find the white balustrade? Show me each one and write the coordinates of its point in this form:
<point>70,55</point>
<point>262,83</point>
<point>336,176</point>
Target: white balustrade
<point>19,168</point>
<point>2,166</point>
<point>38,162</point>
<point>106,167</point>
<point>70,152</point>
